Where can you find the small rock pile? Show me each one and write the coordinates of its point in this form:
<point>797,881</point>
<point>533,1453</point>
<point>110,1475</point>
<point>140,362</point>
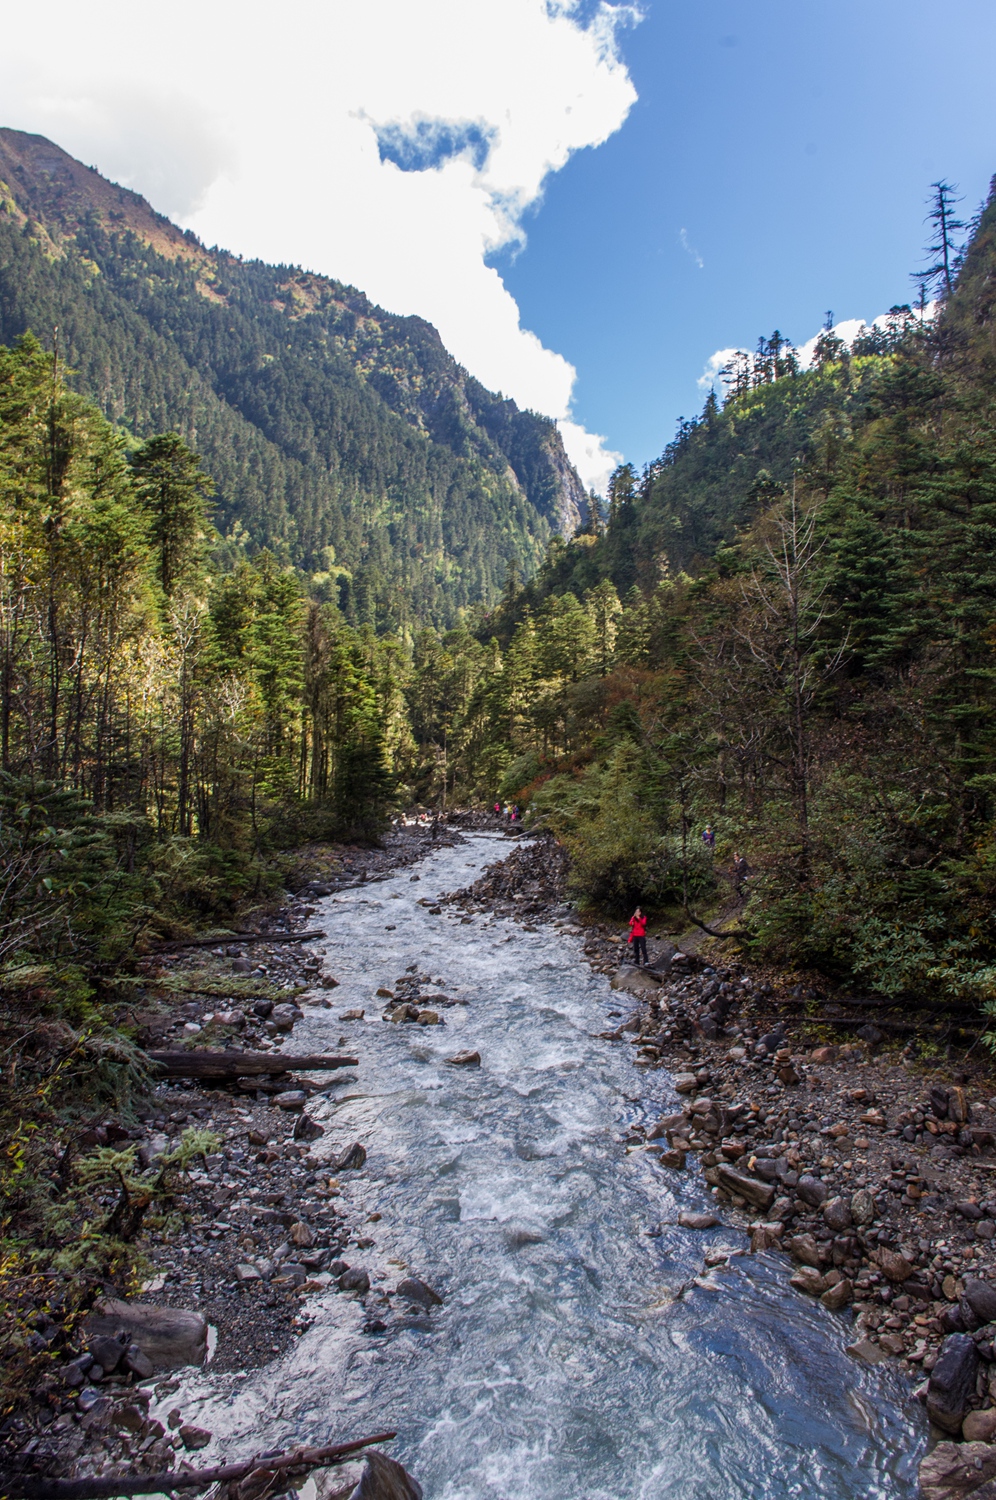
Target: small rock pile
<point>525,885</point>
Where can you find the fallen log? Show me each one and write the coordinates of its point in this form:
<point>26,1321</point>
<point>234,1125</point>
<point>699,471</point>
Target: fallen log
<point>238,937</point>
<point>234,1064</point>
<point>103,1487</point>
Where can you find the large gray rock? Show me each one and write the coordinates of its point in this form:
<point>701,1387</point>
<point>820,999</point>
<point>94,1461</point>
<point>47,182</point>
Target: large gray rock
<point>169,1337</point>
<point>952,1471</point>
<point>384,1479</point>
<point>952,1382</point>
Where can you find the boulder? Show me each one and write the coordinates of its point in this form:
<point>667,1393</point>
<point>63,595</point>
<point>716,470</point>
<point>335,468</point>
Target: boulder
<point>416,1290</point>
<point>194,1437</point>
<point>952,1382</point>
<point>761,1194</point>
<point>804,1247</point>
<point>812,1191</point>
<point>837,1214</point>
<point>862,1207</point>
<point>385,1479</point>
<point>293,1100</point>
<point>351,1159</point>
<point>979,1426</point>
<point>685,1083</point>
<point>354,1280</point>
<point>168,1336</point>
<point>307,1129</point>
<point>955,1470</point>
<point>807,1279</point>
<point>836,1297</point>
<point>981,1298</point>
<point>465,1060</point>
<point>867,1352</point>
<point>689,1220</point>
<point>895,1267</point>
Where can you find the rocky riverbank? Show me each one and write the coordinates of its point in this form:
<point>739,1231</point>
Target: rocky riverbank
<point>257,1221</point>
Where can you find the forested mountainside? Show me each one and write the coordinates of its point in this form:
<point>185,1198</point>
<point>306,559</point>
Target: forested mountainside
<point>344,439</point>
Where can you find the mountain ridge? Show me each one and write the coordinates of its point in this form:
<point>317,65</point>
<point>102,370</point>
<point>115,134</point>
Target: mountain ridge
<point>341,436</point>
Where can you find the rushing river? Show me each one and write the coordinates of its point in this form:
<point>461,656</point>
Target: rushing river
<point>560,1366</point>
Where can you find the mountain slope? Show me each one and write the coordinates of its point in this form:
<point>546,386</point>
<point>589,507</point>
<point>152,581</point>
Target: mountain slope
<point>344,437</point>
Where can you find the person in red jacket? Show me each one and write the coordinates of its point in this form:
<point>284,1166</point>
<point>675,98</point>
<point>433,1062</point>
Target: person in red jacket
<point>638,936</point>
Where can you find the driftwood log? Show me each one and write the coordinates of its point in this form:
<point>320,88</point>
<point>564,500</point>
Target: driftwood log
<point>238,937</point>
<point>104,1487</point>
<point>234,1064</point>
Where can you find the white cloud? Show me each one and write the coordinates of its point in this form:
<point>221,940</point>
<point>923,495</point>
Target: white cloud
<point>272,132</point>
<point>690,250</point>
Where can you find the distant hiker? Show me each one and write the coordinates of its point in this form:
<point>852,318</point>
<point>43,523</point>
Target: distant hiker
<point>497,809</point>
<point>741,869</point>
<point>638,936</point>
<point>709,837</point>
<point>515,812</point>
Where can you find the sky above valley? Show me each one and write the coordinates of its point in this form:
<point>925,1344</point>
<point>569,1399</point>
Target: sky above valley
<point>588,200</point>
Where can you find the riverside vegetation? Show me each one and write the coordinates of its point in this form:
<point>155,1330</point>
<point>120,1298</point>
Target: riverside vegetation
<point>784,628</point>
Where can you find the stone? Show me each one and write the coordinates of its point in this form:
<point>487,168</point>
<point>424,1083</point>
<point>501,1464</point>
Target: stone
<point>170,1336</point>
<point>837,1214</point>
<point>351,1159</point>
<point>893,1343</point>
<point>823,1055</point>
<point>672,1158</point>
<point>862,1207</point>
<point>245,1274</point>
<point>301,1234</point>
<point>428,1018</point>
<point>763,1237</point>
<point>685,1083</point>
<point>812,1190</point>
<point>384,1479</point>
<point>761,1194</point>
<point>981,1298</point>
<point>107,1350</point>
<point>465,1060</point>
<point>307,1129</point>
<point>194,1437</point>
<point>416,1290</point>
<point>138,1362</point>
<point>953,1470</point>
<point>804,1247</point>
<point>690,1220</point>
<point>807,1279</point>
<point>284,1016</point>
<point>979,1426</point>
<point>292,1100</point>
<point>866,1351</point>
<point>354,1280</point>
<point>952,1382</point>
<point>895,1268</point>
<point>836,1297</point>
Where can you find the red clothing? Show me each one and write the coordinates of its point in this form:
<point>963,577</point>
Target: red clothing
<point>637,927</point>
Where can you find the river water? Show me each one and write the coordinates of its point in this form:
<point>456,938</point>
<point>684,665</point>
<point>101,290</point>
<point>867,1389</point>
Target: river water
<point>561,1366</point>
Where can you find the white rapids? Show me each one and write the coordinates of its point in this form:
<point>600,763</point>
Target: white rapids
<point>561,1366</point>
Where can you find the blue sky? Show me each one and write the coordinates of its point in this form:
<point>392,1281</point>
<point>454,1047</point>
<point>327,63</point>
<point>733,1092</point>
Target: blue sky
<point>794,143</point>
